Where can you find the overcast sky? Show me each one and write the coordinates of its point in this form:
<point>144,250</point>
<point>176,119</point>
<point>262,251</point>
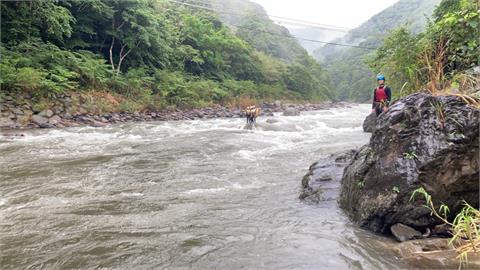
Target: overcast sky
<point>346,13</point>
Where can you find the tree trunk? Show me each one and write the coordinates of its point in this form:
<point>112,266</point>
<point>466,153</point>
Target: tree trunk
<point>111,54</point>
<point>112,44</point>
<point>122,56</point>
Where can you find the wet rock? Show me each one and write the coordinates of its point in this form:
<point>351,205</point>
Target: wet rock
<point>272,121</point>
<point>8,114</point>
<point>95,123</point>
<point>45,125</point>
<point>442,230</point>
<point>39,119</point>
<point>404,233</point>
<point>433,253</point>
<point>16,111</point>
<point>54,120</point>
<point>322,182</point>
<point>291,112</point>
<point>58,109</point>
<point>345,157</point>
<point>46,113</point>
<point>413,146</point>
<point>369,123</point>
<point>6,122</point>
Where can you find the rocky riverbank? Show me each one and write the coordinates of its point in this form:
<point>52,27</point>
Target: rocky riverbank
<point>18,112</point>
<point>322,185</point>
<point>422,141</point>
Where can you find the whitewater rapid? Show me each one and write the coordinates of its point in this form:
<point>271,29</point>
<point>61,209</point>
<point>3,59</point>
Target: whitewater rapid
<point>202,194</point>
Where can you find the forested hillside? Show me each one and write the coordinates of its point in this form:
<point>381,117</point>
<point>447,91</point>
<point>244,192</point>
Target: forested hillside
<point>351,76</point>
<point>152,53</point>
<point>253,23</point>
<point>250,22</point>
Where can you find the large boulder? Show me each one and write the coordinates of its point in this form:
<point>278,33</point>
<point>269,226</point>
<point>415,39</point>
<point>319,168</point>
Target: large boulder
<point>422,141</point>
<point>322,182</point>
<point>39,120</point>
<point>369,123</point>
<point>54,120</point>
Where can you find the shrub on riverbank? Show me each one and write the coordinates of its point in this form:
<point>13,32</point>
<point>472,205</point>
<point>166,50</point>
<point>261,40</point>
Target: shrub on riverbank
<point>465,227</point>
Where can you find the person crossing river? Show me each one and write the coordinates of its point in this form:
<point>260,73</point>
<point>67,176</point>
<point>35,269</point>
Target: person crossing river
<point>382,95</point>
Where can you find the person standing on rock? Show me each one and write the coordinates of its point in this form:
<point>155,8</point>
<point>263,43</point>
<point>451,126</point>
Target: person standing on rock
<point>382,95</point>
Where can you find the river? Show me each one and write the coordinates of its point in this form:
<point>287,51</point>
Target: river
<point>203,194</point>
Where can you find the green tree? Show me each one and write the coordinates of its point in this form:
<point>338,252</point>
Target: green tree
<point>31,20</point>
<point>432,59</point>
<point>398,60</point>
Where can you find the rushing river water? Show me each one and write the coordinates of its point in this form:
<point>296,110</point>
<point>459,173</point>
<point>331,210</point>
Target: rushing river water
<point>203,194</point>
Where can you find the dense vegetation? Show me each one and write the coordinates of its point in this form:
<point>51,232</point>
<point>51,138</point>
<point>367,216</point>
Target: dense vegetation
<point>149,53</point>
<point>352,78</point>
<point>440,58</point>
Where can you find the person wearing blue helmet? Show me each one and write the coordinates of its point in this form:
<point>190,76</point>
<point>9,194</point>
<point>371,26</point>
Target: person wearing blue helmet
<point>382,95</point>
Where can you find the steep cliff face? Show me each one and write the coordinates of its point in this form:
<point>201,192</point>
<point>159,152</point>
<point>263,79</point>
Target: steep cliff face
<point>422,141</point>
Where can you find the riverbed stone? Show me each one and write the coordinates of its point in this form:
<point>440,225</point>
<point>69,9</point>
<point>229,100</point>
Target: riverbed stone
<point>8,114</point>
<point>39,119</point>
<point>272,121</point>
<point>95,123</point>
<point>58,109</point>
<point>6,122</point>
<point>404,233</point>
<point>442,230</point>
<point>16,111</point>
<point>433,253</point>
<point>69,112</point>
<point>54,120</point>
<point>291,112</point>
<point>46,113</point>
<point>421,141</point>
<point>45,125</point>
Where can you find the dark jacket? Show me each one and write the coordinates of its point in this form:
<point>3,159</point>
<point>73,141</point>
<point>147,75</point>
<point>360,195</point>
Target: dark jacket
<point>388,92</point>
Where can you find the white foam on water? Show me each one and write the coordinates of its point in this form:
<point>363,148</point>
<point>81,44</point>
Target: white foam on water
<point>232,187</point>
<point>204,190</point>
<point>3,201</point>
<point>246,154</point>
<point>133,194</point>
